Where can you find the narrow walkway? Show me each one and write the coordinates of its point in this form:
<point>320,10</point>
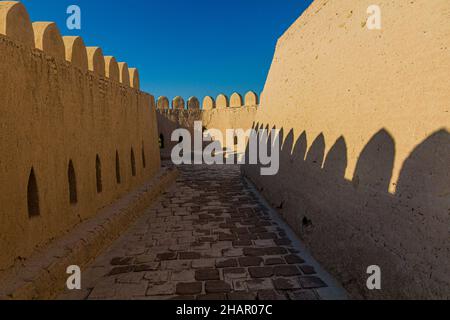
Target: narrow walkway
<point>209,237</point>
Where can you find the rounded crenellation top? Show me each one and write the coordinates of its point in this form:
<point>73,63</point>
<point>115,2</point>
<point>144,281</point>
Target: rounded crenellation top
<point>236,100</point>
<point>221,102</point>
<point>15,23</point>
<point>193,103</point>
<point>162,103</point>
<point>134,78</point>
<point>76,52</point>
<point>124,73</point>
<point>178,103</point>
<point>251,99</point>
<point>112,68</point>
<point>96,60</point>
<point>208,103</point>
<point>48,38</point>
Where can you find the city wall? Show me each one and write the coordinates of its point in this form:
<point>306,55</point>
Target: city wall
<point>222,113</point>
<point>365,161</point>
<point>364,117</point>
<point>76,133</point>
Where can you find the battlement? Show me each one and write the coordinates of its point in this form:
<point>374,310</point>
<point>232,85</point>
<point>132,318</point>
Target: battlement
<point>77,133</point>
<point>15,23</point>
<point>364,162</point>
<point>250,99</point>
<point>220,114</point>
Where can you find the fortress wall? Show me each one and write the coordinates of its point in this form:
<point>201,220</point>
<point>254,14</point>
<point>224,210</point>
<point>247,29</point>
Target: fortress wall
<point>230,118</point>
<point>170,120</point>
<point>239,113</point>
<point>365,119</point>
<point>240,116</point>
<point>53,111</point>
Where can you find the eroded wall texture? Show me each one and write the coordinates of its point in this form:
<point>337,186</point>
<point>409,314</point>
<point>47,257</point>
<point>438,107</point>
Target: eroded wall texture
<point>365,160</point>
<point>76,133</point>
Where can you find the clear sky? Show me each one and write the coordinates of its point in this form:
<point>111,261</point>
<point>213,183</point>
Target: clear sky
<point>183,47</point>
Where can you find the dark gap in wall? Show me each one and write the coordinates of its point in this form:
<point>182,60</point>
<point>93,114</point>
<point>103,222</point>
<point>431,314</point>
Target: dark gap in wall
<point>133,163</point>
<point>118,176</point>
<point>161,141</point>
<point>73,196</point>
<point>33,196</point>
<point>306,222</point>
<point>98,174</point>
<point>144,162</point>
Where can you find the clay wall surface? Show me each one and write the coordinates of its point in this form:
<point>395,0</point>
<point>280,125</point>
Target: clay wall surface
<point>62,124</point>
<point>365,159</point>
<point>364,120</point>
<point>220,117</point>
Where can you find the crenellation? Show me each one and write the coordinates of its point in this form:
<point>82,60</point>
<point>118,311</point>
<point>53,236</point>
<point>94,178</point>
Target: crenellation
<point>222,101</point>
<point>124,73</point>
<point>178,103</point>
<point>208,103</point>
<point>251,99</point>
<point>162,103</point>
<point>363,173</point>
<point>236,100</point>
<point>193,103</point>
<point>76,52</point>
<point>71,125</point>
<point>134,78</point>
<point>15,22</point>
<point>49,39</point>
<point>96,60</point>
<point>112,68</point>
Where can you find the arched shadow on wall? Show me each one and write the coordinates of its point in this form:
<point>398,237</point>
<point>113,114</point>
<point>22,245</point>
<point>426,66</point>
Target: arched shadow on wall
<point>336,160</point>
<point>300,149</point>
<point>352,222</point>
<point>376,163</point>
<point>316,152</point>
<point>427,169</point>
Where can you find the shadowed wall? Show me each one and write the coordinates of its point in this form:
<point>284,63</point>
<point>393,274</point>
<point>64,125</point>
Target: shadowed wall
<point>365,160</point>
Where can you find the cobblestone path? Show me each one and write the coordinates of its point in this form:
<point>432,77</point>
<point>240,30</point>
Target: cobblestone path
<point>208,237</point>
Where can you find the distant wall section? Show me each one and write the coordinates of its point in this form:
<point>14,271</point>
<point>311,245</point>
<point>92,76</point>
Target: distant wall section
<point>214,113</point>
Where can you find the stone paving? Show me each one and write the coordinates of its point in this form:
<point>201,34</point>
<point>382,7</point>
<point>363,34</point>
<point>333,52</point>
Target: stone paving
<point>207,238</point>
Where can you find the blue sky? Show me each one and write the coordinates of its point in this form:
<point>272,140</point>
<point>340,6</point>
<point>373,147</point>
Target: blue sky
<point>183,47</point>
